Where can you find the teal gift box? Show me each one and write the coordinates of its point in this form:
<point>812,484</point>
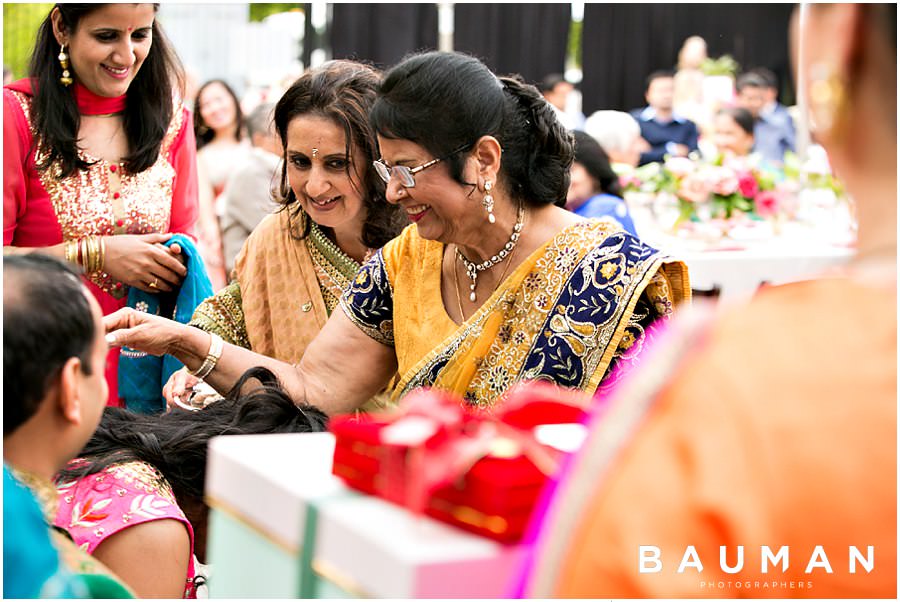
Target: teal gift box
<point>282,526</point>
<point>259,489</point>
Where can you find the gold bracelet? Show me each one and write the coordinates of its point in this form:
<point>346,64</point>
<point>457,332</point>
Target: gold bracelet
<point>216,344</point>
<point>102,261</point>
<point>92,261</point>
<point>88,256</point>
<point>72,251</point>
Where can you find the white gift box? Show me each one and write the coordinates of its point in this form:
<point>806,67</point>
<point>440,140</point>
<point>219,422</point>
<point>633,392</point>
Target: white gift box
<point>373,548</point>
<point>258,488</point>
<point>282,526</point>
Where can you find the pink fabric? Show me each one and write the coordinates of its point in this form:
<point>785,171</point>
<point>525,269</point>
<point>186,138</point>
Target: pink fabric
<point>121,496</point>
<point>29,219</point>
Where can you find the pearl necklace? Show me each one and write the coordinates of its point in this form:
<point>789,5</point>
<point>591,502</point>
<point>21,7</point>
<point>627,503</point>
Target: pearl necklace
<point>472,269</point>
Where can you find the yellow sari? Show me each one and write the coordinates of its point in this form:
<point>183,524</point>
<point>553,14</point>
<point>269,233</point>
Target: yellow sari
<point>564,315</point>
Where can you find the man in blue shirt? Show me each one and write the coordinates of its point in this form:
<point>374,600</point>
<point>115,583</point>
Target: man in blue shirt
<point>773,131</point>
<point>666,132</point>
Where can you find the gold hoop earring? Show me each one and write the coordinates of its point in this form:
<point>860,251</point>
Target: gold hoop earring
<point>827,101</point>
<point>66,78</point>
<point>488,201</point>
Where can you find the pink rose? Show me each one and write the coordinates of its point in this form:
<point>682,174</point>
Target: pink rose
<point>694,189</point>
<point>628,180</point>
<point>680,166</point>
<point>726,186</point>
<point>722,180</point>
<point>747,185</point>
<point>767,203</point>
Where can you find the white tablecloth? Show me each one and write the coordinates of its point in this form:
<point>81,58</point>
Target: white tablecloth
<point>738,267</point>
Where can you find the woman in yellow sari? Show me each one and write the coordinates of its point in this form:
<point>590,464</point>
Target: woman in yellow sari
<point>495,282</point>
<point>291,271</point>
<point>576,305</point>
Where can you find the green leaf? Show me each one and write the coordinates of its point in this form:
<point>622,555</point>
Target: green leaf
<point>724,65</point>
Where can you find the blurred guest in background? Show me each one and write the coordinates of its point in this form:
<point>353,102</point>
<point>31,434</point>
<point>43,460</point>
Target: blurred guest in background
<point>594,187</point>
<point>221,150</point>
<point>733,133</point>
<point>249,194</point>
<point>760,414</point>
<point>620,136</point>
<point>667,133</point>
<point>112,171</point>
<point>773,127</point>
<point>688,95</point>
<point>557,91</point>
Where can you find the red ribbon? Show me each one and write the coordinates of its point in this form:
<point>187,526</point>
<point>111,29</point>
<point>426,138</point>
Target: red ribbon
<point>434,439</point>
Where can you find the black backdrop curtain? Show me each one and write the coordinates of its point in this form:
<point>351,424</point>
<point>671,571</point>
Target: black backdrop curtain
<point>382,33</point>
<point>529,39</point>
<point>623,43</point>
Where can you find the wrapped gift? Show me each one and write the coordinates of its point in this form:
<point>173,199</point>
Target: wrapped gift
<point>263,492</point>
<point>367,547</point>
<point>282,526</point>
<point>481,472</point>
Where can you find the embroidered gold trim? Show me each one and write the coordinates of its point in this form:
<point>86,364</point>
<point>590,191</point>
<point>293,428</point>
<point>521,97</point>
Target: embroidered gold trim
<point>334,268</point>
<point>43,490</point>
<point>223,315</point>
<point>84,203</point>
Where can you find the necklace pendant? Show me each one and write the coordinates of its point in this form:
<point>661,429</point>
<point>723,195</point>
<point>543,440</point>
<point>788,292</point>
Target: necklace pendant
<point>472,296</point>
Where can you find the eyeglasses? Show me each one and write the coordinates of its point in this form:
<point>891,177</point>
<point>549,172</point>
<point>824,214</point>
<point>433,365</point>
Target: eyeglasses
<point>404,173</point>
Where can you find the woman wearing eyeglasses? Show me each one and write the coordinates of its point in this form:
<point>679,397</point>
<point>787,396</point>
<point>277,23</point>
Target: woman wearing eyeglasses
<point>493,283</point>
<point>294,266</point>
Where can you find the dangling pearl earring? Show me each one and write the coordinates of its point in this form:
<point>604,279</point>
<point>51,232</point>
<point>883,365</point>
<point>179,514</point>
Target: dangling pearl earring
<point>488,201</point>
<point>66,78</point>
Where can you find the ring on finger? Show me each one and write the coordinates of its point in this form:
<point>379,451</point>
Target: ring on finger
<point>154,284</point>
<point>183,405</point>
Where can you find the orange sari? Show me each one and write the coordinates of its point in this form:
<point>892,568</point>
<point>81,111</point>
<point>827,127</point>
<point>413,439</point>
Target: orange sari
<point>775,425</point>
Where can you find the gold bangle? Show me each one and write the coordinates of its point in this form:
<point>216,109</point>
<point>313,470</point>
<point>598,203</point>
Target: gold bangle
<point>87,259</point>
<point>102,261</point>
<point>216,344</point>
<point>71,251</point>
<point>93,262</point>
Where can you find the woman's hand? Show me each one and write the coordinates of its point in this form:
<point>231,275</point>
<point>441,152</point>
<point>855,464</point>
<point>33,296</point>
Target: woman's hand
<point>142,261</point>
<point>178,388</point>
<point>155,335</point>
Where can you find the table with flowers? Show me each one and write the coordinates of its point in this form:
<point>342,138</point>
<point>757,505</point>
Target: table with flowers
<point>738,223</point>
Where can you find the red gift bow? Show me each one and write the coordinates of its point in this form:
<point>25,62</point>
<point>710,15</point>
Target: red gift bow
<point>434,438</point>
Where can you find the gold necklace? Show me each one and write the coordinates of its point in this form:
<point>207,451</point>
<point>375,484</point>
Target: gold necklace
<point>462,314</point>
<point>472,269</point>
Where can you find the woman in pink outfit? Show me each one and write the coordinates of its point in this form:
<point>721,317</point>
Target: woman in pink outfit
<point>134,499</point>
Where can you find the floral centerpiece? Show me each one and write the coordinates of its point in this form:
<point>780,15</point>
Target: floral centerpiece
<point>719,189</point>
